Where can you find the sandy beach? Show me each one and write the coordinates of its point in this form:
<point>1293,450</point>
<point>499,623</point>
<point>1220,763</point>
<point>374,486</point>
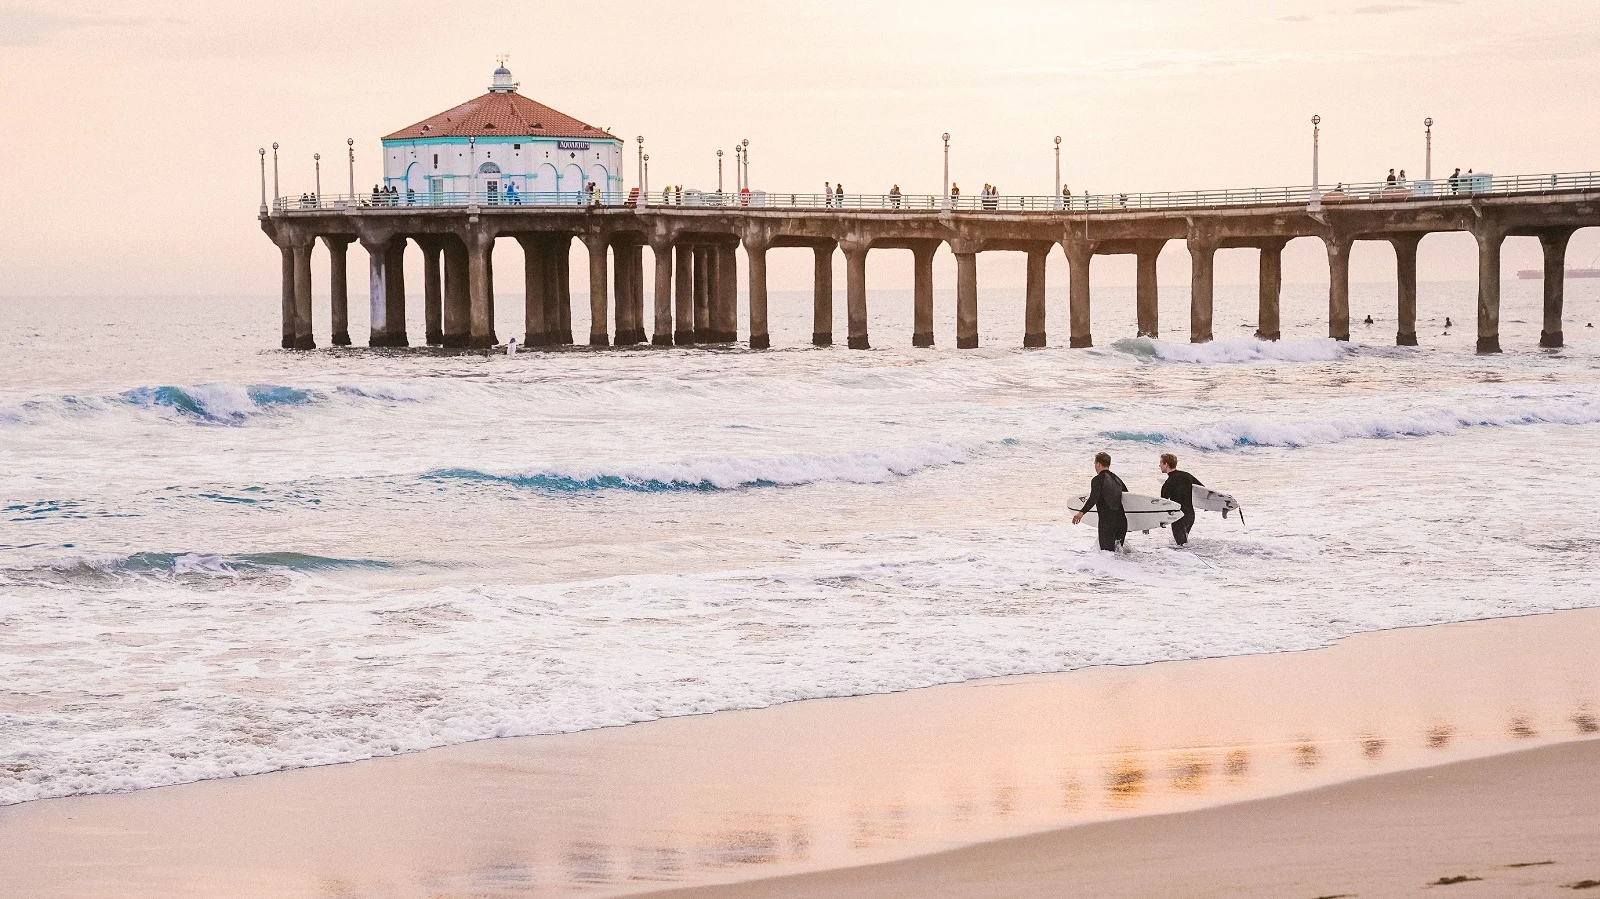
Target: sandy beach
<point>1173,768</point>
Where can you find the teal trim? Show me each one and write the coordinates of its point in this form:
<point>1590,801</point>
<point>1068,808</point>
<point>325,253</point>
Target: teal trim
<point>461,141</point>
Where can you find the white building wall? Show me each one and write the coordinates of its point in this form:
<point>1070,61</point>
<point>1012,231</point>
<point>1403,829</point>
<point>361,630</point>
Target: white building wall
<point>529,163</point>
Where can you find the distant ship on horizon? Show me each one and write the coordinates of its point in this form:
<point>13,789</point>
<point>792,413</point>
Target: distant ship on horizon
<point>1537,274</point>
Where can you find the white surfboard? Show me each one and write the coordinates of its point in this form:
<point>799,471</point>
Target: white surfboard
<point>1210,500</point>
<point>1145,513</point>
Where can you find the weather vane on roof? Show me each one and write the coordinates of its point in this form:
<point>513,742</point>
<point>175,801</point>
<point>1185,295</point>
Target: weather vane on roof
<point>503,58</point>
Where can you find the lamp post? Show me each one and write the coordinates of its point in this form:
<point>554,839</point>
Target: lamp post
<point>644,161</point>
<point>350,144</point>
<point>263,152</point>
<point>1427,171</point>
<point>640,139</point>
<point>946,201</point>
<point>1057,189</point>
<point>719,171</point>
<point>275,194</point>
<point>1316,159</point>
<point>744,146</point>
<point>317,157</point>
<point>472,163</point>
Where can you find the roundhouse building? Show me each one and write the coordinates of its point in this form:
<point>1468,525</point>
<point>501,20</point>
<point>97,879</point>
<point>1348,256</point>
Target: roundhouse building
<point>499,145</point>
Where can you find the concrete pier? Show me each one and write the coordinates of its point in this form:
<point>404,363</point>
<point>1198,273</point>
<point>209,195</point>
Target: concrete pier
<point>599,300</point>
<point>696,275</point>
<point>822,295</point>
<point>339,286</point>
<point>1080,258</point>
<point>1147,296</point>
<point>433,290</point>
<point>922,293</point>
<point>683,295</point>
<point>1405,263</point>
<point>1033,324</point>
<point>855,266</point>
<point>661,318</point>
<point>1490,241</point>
<point>1554,244</point>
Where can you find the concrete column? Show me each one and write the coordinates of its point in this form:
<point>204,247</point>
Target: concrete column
<point>757,258</point>
<point>395,294</point>
<point>702,295</point>
<point>455,319</point>
<point>1147,296</point>
<point>288,296</point>
<point>1033,318</point>
<point>966,301</point>
<point>339,286</point>
<point>378,292</point>
<point>303,339</point>
<point>1338,287</point>
<point>1269,318</point>
<point>480,286</point>
<point>855,267</point>
<point>433,291</point>
<point>562,257</point>
<point>536,283</point>
<point>1080,256</point>
<point>922,295</point>
<point>1202,283</point>
<point>683,295</point>
<point>599,302</point>
<point>822,296</point>
<point>1490,240</point>
<point>1405,265</point>
<point>1555,285</point>
<point>661,330</point>
<point>623,282</point>
<point>725,293</point>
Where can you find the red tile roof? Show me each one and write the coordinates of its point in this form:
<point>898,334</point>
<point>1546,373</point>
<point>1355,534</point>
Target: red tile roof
<point>500,113</point>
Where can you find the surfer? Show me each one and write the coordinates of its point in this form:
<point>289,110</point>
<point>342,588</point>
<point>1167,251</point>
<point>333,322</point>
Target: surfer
<point>1180,489</point>
<point>1105,492</point>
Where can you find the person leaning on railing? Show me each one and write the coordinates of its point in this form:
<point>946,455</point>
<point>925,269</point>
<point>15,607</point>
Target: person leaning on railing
<point>894,196</point>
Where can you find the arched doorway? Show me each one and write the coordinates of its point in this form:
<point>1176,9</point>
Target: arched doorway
<point>572,182</point>
<point>489,182</point>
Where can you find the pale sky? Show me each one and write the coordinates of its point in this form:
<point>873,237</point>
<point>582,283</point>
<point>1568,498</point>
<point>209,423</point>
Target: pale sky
<point>130,128</point>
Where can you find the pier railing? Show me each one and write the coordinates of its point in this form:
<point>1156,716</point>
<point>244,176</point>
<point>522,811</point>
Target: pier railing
<point>1467,185</point>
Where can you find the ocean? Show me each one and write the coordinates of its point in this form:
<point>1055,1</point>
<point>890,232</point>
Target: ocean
<point>218,558</point>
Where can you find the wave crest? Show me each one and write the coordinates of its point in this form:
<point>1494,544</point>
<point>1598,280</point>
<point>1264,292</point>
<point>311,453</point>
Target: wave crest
<point>1233,351</point>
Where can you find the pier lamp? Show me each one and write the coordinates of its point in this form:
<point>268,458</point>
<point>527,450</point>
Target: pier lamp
<point>1427,170</point>
<point>745,147</point>
<point>275,194</point>
<point>640,139</point>
<point>263,152</point>
<point>719,171</point>
<point>946,201</point>
<point>317,158</point>
<point>350,143</point>
<point>1057,189</point>
<point>644,194</point>
<point>472,163</point>
<point>1316,154</point>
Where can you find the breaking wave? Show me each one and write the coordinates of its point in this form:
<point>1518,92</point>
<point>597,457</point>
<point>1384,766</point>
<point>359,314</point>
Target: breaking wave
<point>1241,433</point>
<point>81,569</point>
<point>726,472</point>
<point>1233,350</point>
<point>209,404</point>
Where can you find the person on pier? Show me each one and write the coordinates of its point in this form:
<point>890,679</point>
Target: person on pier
<point>1105,497</point>
<point>1390,179</point>
<point>838,195</point>
<point>894,196</point>
<point>1179,488</point>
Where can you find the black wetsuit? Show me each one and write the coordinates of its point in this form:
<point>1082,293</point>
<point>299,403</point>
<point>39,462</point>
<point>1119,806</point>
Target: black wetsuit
<point>1180,489</point>
<point>1105,497</point>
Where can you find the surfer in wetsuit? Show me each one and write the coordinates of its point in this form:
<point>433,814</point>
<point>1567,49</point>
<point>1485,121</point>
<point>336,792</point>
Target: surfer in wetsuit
<point>1180,489</point>
<point>1105,496</point>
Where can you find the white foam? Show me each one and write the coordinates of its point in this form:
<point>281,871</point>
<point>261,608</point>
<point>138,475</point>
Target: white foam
<point>1235,351</point>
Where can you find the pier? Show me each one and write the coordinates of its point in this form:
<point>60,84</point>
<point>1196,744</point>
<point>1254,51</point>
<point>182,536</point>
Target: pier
<point>694,238</point>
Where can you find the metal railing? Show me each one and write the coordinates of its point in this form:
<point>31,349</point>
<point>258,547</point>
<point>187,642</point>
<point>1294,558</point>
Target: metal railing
<point>1468,185</point>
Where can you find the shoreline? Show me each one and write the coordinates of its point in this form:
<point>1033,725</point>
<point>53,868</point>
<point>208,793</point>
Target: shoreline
<point>832,785</point>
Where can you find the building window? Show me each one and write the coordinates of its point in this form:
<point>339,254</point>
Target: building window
<point>516,146</point>
<point>436,160</point>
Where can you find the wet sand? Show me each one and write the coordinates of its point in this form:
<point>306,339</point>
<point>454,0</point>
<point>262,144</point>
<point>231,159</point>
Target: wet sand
<point>1525,824</point>
<point>824,785</point>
